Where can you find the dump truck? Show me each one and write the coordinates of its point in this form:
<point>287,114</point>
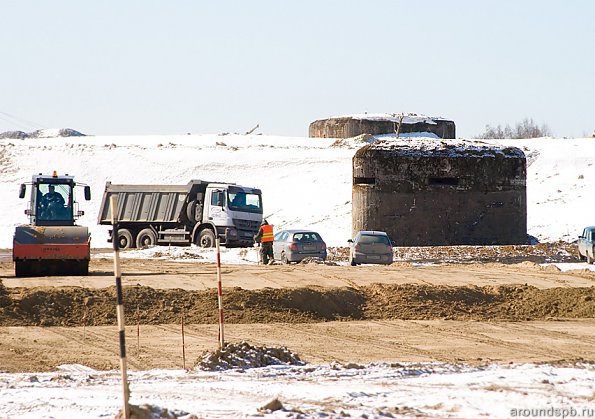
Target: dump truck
<point>195,213</point>
<point>52,243</point>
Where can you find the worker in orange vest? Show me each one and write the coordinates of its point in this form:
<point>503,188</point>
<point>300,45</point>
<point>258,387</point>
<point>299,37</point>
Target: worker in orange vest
<point>265,238</point>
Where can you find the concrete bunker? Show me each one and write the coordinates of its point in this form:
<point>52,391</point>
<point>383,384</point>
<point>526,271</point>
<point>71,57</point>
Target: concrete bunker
<point>377,124</point>
<point>425,192</point>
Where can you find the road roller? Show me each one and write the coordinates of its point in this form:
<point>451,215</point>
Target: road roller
<point>52,244</point>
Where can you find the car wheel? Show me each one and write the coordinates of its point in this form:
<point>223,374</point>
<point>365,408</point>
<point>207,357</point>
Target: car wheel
<point>284,259</point>
<point>146,237</point>
<point>589,258</point>
<point>353,263</point>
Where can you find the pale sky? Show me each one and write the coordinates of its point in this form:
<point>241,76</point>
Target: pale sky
<point>157,67</point>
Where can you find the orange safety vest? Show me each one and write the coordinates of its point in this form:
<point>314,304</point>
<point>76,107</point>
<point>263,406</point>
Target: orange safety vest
<point>267,233</point>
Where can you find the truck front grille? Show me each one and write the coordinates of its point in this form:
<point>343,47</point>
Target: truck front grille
<point>246,225</point>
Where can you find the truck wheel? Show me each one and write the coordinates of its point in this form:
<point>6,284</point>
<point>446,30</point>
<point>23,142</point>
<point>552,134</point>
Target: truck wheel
<point>146,238</point>
<point>206,238</point>
<point>125,239</point>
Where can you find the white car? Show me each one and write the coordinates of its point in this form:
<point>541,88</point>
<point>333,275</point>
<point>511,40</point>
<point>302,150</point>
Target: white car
<point>371,247</point>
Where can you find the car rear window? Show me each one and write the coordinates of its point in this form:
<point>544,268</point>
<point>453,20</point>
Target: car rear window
<point>370,239</point>
<point>306,237</point>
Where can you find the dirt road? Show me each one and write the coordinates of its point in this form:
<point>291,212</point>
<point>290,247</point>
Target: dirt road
<point>163,274</point>
<point>460,312</point>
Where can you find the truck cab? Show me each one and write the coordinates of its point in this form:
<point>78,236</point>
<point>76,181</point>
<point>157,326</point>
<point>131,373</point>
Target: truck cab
<point>234,211</point>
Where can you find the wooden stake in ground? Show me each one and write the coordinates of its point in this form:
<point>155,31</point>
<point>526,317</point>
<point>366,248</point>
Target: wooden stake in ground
<point>219,297</point>
<point>85,316</point>
<point>137,315</point>
<point>120,312</point>
<point>183,343</point>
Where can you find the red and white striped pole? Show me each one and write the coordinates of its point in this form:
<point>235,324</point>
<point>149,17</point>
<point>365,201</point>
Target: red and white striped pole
<point>219,297</point>
<point>120,312</point>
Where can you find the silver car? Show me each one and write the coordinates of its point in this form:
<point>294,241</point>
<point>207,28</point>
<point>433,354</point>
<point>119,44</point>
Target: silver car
<point>371,247</point>
<point>296,245</point>
<point>586,245</point>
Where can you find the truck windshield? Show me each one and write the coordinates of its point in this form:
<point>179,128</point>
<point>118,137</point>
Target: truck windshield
<point>243,201</point>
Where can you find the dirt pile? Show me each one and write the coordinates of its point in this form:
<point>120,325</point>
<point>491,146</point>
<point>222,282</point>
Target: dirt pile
<point>557,252</point>
<point>243,355</point>
<point>75,306</point>
<point>504,302</point>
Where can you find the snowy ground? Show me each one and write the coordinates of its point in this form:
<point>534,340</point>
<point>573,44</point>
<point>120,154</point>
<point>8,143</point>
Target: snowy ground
<point>372,391</point>
<point>237,256</point>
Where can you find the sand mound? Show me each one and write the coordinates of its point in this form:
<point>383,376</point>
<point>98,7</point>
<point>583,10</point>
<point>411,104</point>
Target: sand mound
<point>75,306</point>
<point>243,355</point>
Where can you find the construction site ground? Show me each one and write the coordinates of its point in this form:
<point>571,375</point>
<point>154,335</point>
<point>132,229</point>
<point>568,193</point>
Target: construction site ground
<point>448,304</point>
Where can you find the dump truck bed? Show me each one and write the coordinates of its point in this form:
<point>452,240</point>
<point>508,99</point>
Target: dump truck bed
<point>144,203</point>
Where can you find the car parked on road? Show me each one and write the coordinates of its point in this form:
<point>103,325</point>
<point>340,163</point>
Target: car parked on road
<point>586,245</point>
<point>296,245</point>
<point>371,247</point>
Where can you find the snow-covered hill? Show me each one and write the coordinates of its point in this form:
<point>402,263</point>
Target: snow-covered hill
<point>306,182</point>
<point>41,133</point>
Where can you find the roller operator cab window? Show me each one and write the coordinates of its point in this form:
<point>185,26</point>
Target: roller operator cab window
<point>54,202</point>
